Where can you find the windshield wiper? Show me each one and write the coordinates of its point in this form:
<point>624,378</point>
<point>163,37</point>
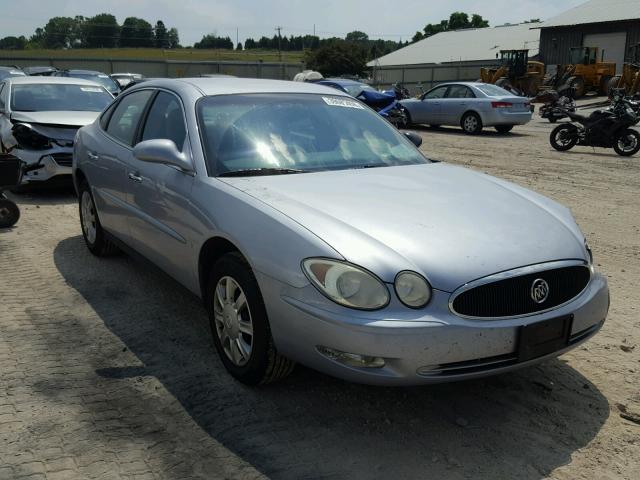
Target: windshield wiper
<point>254,172</point>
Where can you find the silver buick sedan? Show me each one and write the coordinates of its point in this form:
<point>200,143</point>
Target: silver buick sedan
<point>316,233</point>
<point>470,105</point>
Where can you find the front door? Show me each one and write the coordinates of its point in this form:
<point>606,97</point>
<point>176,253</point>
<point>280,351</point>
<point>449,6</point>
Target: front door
<point>429,109</point>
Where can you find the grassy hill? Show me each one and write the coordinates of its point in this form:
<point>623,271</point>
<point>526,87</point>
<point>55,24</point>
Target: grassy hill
<point>159,54</point>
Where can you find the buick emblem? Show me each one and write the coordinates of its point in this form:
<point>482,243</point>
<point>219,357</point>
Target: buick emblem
<point>539,290</point>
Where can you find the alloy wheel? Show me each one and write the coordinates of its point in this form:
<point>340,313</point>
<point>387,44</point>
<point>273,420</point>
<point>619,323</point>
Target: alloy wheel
<point>88,217</point>
<point>233,323</point>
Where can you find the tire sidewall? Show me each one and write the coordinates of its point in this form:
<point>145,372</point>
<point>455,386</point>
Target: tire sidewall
<point>232,265</point>
<point>556,131</point>
<point>478,128</point>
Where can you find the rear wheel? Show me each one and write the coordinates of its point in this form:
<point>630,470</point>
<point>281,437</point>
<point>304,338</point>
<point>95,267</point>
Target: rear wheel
<point>627,143</point>
<point>564,137</point>
<point>94,235</point>
<point>577,84</point>
<point>240,326</point>
<point>503,128</point>
<point>9,213</point>
<point>471,123</point>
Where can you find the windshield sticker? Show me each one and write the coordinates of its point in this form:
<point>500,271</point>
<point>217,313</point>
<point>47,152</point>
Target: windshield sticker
<point>91,89</point>
<point>342,102</point>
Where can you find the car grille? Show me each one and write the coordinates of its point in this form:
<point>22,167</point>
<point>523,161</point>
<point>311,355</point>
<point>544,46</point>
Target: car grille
<point>62,159</point>
<point>512,297</point>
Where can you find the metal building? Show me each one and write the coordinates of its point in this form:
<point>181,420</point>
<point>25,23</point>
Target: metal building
<point>453,55</point>
<point>611,25</point>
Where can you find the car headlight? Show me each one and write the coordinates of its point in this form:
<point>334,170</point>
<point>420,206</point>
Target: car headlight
<point>346,284</point>
<point>412,289</point>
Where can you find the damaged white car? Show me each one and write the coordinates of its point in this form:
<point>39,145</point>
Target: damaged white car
<point>39,118</point>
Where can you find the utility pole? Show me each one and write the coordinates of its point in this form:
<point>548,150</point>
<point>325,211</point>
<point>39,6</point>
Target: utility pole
<point>237,40</point>
<point>279,43</point>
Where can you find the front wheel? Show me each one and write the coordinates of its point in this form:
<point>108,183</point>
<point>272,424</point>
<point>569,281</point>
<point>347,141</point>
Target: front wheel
<point>504,128</point>
<point>94,235</point>
<point>240,325</point>
<point>471,123</point>
<point>9,213</point>
<point>627,143</point>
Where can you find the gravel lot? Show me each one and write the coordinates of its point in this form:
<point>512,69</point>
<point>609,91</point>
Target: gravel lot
<point>107,368</point>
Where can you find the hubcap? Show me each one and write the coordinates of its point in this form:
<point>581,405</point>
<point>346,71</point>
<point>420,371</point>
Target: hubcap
<point>627,143</point>
<point>88,217</point>
<point>232,319</point>
<point>470,123</point>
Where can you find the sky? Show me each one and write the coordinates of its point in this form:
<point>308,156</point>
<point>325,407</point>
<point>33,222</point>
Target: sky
<point>386,19</point>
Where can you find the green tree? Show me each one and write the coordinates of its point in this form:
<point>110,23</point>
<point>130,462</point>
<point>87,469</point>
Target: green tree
<point>101,31</point>
<point>533,20</point>
<point>478,22</point>
<point>173,38</point>
<point>13,43</point>
<point>59,32</point>
<point>458,20</point>
<point>161,35</point>
<point>338,57</point>
<point>136,32</point>
<point>357,36</point>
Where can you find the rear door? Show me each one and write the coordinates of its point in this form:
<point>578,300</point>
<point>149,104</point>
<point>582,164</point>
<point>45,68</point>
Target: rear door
<point>108,153</point>
<point>159,195</point>
<point>458,100</point>
<point>429,108</point>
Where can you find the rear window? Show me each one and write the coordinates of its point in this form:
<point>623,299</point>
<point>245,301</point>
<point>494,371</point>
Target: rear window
<point>47,97</point>
<point>493,91</point>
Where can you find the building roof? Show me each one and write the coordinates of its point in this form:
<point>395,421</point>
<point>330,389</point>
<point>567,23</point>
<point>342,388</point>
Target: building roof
<point>466,45</point>
<point>597,11</point>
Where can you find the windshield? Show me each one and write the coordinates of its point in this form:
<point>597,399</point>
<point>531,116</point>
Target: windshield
<point>43,97</point>
<point>355,90</point>
<point>493,91</point>
<point>102,79</point>
<point>301,132</point>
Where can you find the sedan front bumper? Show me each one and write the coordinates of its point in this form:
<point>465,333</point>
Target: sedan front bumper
<point>418,347</point>
<point>55,162</point>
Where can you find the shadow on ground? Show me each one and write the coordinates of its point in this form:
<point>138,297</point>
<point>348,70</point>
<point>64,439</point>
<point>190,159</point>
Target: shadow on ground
<point>456,131</point>
<point>522,424</point>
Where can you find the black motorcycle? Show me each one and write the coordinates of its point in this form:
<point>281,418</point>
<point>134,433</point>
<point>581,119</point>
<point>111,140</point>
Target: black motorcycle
<point>11,171</point>
<point>603,128</point>
<point>555,105</point>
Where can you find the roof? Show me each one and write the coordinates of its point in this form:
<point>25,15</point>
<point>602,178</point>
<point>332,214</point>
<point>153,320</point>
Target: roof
<point>466,45</point>
<point>51,80</point>
<point>597,11</point>
<point>221,85</point>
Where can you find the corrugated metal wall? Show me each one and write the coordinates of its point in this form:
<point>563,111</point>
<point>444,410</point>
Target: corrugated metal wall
<point>555,43</point>
<point>166,68</point>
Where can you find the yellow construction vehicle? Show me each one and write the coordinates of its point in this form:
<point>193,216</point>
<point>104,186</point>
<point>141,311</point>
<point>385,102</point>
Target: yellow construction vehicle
<point>630,78</point>
<point>587,72</point>
<point>515,72</point>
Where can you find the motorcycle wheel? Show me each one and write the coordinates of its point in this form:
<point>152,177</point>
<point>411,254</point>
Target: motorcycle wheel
<point>9,213</point>
<point>563,137</point>
<point>627,143</point>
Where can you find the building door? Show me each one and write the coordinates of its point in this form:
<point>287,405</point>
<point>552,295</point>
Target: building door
<point>613,44</point>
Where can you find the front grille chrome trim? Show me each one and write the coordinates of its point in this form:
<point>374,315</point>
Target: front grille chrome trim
<point>529,269</point>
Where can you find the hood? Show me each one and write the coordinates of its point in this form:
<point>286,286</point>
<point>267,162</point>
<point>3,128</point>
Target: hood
<point>71,119</point>
<point>448,223</point>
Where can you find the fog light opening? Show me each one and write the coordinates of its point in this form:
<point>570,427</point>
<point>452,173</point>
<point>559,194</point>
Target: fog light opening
<point>351,359</point>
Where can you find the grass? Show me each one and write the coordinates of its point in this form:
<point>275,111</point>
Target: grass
<point>158,54</point>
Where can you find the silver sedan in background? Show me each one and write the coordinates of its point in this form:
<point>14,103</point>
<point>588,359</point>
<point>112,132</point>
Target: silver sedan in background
<point>315,232</point>
<point>469,105</point>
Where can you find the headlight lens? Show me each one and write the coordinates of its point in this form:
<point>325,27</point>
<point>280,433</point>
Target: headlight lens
<point>412,289</point>
<point>346,284</point>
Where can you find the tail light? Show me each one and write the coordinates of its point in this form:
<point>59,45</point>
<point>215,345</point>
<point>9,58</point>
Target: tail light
<point>501,104</point>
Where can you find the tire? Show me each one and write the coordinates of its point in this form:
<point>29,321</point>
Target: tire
<point>563,144</point>
<point>9,213</point>
<point>249,355</point>
<point>627,150</point>
<point>503,128</point>
<point>577,84</point>
<point>407,117</point>
<point>94,236</point>
<point>471,123</point>
<point>604,84</point>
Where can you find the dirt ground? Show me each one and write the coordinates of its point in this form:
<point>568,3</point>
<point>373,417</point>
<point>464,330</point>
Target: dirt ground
<point>107,368</point>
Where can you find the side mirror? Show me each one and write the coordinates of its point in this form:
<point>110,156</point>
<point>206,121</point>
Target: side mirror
<point>162,151</point>
<point>414,137</point>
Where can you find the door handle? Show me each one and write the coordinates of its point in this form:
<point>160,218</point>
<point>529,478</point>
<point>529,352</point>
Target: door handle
<point>92,155</point>
<point>135,178</point>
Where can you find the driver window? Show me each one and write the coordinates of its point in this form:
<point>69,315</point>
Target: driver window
<point>438,92</point>
<point>165,120</point>
<point>123,124</point>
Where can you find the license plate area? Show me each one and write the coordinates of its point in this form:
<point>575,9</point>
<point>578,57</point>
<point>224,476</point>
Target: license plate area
<point>543,338</point>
